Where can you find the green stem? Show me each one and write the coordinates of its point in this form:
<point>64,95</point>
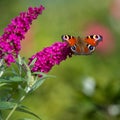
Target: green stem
<point>11,112</point>
<point>14,108</point>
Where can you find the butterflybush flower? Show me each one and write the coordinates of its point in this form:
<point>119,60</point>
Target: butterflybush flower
<point>50,56</point>
<point>13,34</point>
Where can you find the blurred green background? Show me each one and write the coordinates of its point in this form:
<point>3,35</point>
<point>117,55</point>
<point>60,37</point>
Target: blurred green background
<point>86,87</point>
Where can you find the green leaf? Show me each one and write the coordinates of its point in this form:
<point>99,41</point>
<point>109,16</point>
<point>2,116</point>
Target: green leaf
<point>43,75</point>
<point>1,62</point>
<point>16,79</point>
<point>32,63</point>
<point>1,118</point>
<point>13,71</point>
<point>25,110</point>
<point>37,84</point>
<point>2,67</point>
<point>2,84</point>
<point>6,105</point>
<point>11,79</point>
<point>27,67</point>
<point>20,60</point>
<point>20,64</point>
<point>1,73</point>
<point>10,71</point>
<point>25,119</point>
<point>40,73</point>
<point>39,80</point>
<point>29,75</point>
<point>11,105</point>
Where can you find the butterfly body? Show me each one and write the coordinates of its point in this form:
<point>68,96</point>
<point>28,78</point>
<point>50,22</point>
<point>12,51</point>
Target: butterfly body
<point>84,46</point>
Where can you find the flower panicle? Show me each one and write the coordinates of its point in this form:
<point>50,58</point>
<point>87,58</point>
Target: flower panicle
<point>15,31</point>
<point>50,56</point>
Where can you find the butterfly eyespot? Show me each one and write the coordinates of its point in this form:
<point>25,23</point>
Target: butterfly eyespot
<point>91,48</point>
<point>65,37</point>
<point>73,48</point>
<point>97,37</point>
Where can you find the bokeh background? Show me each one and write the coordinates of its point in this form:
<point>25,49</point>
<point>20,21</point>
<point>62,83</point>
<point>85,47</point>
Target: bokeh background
<point>85,87</point>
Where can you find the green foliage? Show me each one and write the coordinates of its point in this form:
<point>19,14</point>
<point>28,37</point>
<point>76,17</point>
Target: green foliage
<point>16,84</point>
<point>67,97</point>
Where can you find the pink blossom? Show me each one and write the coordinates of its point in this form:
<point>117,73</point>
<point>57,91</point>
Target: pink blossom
<point>50,56</point>
<point>10,41</point>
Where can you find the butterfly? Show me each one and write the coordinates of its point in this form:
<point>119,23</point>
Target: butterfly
<point>81,46</point>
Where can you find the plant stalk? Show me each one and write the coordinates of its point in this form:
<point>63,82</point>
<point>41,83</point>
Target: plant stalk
<point>14,108</point>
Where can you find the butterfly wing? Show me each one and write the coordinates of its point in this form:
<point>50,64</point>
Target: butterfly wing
<point>82,46</point>
<point>70,39</point>
<point>91,42</point>
<point>72,42</point>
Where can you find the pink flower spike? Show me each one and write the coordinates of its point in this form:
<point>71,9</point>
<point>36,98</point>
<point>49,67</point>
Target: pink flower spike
<point>10,45</point>
<point>50,56</point>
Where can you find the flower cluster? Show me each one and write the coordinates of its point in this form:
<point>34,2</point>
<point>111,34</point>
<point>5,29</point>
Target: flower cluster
<point>50,56</point>
<point>15,32</point>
